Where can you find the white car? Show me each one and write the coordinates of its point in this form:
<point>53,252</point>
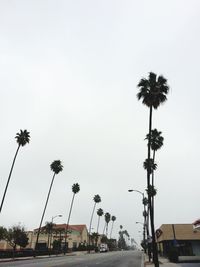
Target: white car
<point>103,248</point>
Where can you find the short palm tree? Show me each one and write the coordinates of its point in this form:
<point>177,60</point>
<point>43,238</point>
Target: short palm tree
<point>153,92</point>
<point>22,138</point>
<point>48,230</point>
<point>113,219</point>
<point>56,167</point>
<point>107,220</point>
<point>75,190</point>
<point>97,199</point>
<point>99,213</point>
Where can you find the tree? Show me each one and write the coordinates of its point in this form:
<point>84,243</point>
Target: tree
<point>149,165</point>
<point>97,199</point>
<point>16,236</point>
<point>113,219</point>
<point>48,229</point>
<point>3,232</point>
<point>151,191</point>
<point>22,139</point>
<point>75,190</point>
<point>121,241</point>
<point>153,92</point>
<point>107,220</point>
<point>56,167</point>
<point>99,213</point>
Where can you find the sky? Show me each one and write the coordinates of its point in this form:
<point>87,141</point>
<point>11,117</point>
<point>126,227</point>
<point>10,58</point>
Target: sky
<point>68,74</point>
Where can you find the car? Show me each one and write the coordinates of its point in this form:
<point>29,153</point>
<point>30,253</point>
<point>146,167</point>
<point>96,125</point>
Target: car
<point>103,248</point>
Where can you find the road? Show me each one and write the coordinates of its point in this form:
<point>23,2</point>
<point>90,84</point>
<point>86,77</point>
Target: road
<point>110,259</point>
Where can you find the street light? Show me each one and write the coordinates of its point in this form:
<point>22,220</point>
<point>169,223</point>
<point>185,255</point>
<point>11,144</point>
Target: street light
<point>53,217</point>
<point>59,215</point>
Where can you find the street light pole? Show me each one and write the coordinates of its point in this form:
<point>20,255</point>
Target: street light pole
<point>53,217</point>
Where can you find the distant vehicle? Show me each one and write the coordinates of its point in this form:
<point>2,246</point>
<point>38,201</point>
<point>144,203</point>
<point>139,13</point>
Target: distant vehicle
<point>103,247</point>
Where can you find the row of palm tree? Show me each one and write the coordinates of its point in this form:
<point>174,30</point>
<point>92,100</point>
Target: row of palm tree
<point>22,138</point>
<point>100,213</point>
<point>153,92</point>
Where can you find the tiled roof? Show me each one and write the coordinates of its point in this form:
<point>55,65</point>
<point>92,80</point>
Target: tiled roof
<point>76,227</point>
<point>178,231</point>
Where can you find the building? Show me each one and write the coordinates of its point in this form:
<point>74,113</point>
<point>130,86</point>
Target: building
<point>77,235</point>
<point>182,236</point>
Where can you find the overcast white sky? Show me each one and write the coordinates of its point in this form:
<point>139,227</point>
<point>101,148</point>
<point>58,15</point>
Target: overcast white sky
<point>68,74</point>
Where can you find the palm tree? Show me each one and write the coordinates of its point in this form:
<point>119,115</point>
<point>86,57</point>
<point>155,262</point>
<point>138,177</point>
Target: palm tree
<point>99,213</point>
<point>56,167</point>
<point>48,230</point>
<point>22,139</point>
<point>97,199</point>
<point>151,191</point>
<point>75,190</point>
<point>107,220</point>
<point>113,219</point>
<point>153,92</point>
<point>149,165</point>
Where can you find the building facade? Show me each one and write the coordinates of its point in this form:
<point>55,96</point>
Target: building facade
<point>183,237</point>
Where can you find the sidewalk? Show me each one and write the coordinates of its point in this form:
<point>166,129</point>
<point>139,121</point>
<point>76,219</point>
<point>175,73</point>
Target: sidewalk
<point>45,256</point>
<point>164,262</point>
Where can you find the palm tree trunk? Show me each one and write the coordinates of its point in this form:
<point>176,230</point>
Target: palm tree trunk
<point>38,233</point>
<point>111,229</point>
<point>154,245</point>
<point>104,228</point>
<point>13,163</point>
<point>91,225</point>
<point>98,224</point>
<point>67,225</point>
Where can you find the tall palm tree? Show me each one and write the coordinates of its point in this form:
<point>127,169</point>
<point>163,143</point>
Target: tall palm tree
<point>113,219</point>
<point>99,213</point>
<point>107,220</point>
<point>153,92</point>
<point>56,167</point>
<point>75,190</point>
<point>22,138</point>
<point>97,199</point>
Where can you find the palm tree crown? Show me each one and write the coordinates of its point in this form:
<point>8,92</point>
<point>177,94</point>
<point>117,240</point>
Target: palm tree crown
<point>145,201</point>
<point>56,166</point>
<point>113,218</point>
<point>107,217</point>
<point>151,191</point>
<point>97,199</point>
<point>75,188</point>
<point>153,90</point>
<point>156,140</point>
<point>99,212</point>
<point>23,137</point>
<point>149,165</point>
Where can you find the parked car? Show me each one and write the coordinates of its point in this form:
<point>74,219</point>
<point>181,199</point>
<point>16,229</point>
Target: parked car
<point>103,247</point>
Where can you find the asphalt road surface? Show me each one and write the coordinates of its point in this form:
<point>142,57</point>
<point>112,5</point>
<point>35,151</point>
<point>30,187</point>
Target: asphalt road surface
<point>110,259</point>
